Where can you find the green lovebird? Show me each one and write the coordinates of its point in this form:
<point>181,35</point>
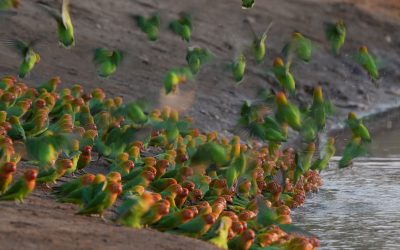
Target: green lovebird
<point>287,112</point>
<point>336,35</point>
<point>64,23</point>
<point>320,108</point>
<point>307,156</point>
<point>51,85</point>
<point>22,188</point>
<point>173,220</point>
<point>19,108</point>
<point>132,209</point>
<point>16,132</point>
<point>73,185</point>
<point>197,226</point>
<point>150,26</point>
<point>29,57</point>
<point>283,75</point>
<point>209,152</point>
<point>353,149</point>
<point>242,241</point>
<point>299,46</point>
<point>44,149</point>
<point>218,234</point>
<point>6,175</point>
<point>176,76</point>
<point>102,200</point>
<point>238,68</point>
<point>9,4</point>
<point>52,174</point>
<point>364,58</point>
<point>247,4</point>
<point>107,61</point>
<point>357,127</point>
<point>327,153</point>
<point>196,56</point>
<point>258,45</point>
<point>182,26</point>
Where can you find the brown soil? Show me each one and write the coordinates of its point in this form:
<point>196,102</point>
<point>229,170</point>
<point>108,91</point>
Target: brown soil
<point>213,99</point>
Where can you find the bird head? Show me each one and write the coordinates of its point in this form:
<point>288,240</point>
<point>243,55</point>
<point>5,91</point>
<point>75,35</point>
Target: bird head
<point>148,175</point>
<point>150,161</point>
<point>331,140</point>
<point>9,167</point>
<point>99,178</point>
<point>40,103</point>
<point>87,179</point>
<point>209,218</point>
<point>281,98</point>
<point>6,125</point>
<point>187,214</point>
<point>363,49</point>
<point>175,188</point>
<point>87,149</point>
<point>278,62</point>
<point>248,235</point>
<point>114,177</point>
<point>8,97</point>
<point>297,35</point>
<point>162,164</point>
<point>163,207</point>
<point>30,174</point>
<point>115,188</point>
<point>66,164</point>
<point>37,58</point>
<point>188,185</point>
<point>129,165</point>
<point>318,95</point>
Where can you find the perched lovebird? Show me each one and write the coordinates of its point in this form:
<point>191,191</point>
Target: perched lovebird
<point>242,241</point>
<point>64,23</point>
<point>176,76</point>
<point>283,75</point>
<point>196,56</point>
<point>326,154</point>
<point>16,132</point>
<point>357,127</point>
<point>150,26</point>
<point>29,56</point>
<point>246,4</point>
<point>84,158</point>
<point>218,234</point>
<point>6,175</point>
<point>107,61</point>
<point>102,200</point>
<point>299,46</point>
<point>336,35</point>
<point>51,85</point>
<point>197,226</point>
<point>173,220</point>
<point>22,188</point>
<point>182,26</point>
<point>155,213</point>
<point>73,185</point>
<point>364,58</point>
<point>52,174</point>
<point>353,149</point>
<point>238,67</point>
<point>287,112</point>
<point>9,4</point>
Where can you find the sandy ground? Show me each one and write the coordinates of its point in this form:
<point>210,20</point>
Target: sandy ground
<point>213,99</point>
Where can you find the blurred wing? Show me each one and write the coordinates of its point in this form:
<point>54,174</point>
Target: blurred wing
<point>101,55</point>
<point>66,18</point>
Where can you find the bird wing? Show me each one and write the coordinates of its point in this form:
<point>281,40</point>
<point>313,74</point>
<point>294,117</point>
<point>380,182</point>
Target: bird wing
<point>66,18</point>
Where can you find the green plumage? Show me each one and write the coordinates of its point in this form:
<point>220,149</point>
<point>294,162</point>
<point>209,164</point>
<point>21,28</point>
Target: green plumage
<point>150,26</point>
<point>107,61</point>
<point>336,35</point>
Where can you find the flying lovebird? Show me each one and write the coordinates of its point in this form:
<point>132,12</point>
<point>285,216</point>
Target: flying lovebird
<point>353,149</point>
<point>283,75</point>
<point>288,112</point>
<point>336,35</point>
<point>364,58</point>
<point>299,46</point>
<point>22,188</point>
<point>29,57</point>
<point>258,45</point>
<point>238,67</point>
<point>357,127</point>
<point>107,61</point>
<point>327,153</point>
<point>197,56</point>
<point>247,4</point>
<point>176,76</point>
<point>150,26</point>
<point>9,4</point>
<point>64,24</point>
<point>182,26</point>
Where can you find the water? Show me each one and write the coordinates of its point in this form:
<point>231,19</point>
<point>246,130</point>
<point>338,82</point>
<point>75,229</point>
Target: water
<point>358,207</point>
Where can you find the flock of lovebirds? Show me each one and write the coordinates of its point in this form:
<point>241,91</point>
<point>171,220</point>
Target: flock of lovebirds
<point>167,174</point>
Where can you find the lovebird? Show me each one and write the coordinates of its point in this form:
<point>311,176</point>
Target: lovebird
<point>52,174</point>
<point>336,35</point>
<point>283,75</point>
<point>287,112</point>
<point>357,127</point>
<point>84,158</point>
<point>182,26</point>
<point>242,241</point>
<point>107,61</point>
<point>238,68</point>
<point>102,200</point>
<point>29,56</point>
<point>22,188</point>
<point>65,28</point>
<point>299,46</point>
<point>197,56</point>
<point>327,153</point>
<point>173,220</point>
<point>258,45</point>
<point>218,234</point>
<point>150,26</point>
<point>157,211</point>
<point>9,4</point>
<point>197,226</point>
<point>307,156</point>
<point>353,149</point>
<point>73,185</point>
<point>364,58</point>
<point>176,76</point>
<point>51,85</point>
<point>247,4</point>
<point>6,175</point>
<point>320,109</point>
<point>133,208</point>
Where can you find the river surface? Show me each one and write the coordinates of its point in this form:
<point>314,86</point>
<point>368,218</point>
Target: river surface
<point>358,207</point>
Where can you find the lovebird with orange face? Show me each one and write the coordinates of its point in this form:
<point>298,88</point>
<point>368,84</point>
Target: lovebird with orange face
<point>73,185</point>
<point>52,174</point>
<point>6,175</point>
<point>22,188</point>
<point>287,112</point>
<point>197,226</point>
